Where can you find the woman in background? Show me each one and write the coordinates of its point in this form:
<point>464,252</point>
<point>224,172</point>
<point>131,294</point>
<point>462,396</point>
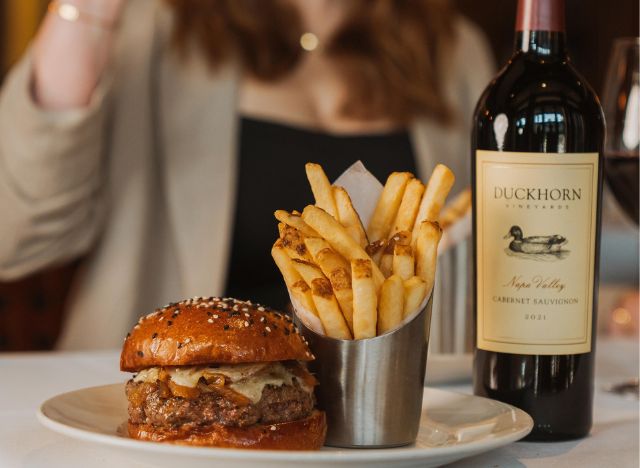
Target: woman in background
<point>158,138</point>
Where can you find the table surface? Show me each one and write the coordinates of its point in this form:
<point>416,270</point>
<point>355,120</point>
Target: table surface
<point>30,378</point>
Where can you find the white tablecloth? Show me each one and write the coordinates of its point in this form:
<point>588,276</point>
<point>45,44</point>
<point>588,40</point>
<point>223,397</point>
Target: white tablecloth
<point>28,379</point>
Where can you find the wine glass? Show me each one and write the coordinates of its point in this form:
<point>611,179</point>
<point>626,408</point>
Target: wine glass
<point>621,105</point>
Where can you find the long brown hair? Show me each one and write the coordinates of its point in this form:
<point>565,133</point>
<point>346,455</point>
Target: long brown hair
<point>390,51</point>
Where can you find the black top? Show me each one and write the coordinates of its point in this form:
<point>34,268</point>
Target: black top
<point>272,176</point>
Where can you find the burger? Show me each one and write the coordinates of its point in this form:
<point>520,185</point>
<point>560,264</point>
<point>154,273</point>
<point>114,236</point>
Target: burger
<point>221,372</point>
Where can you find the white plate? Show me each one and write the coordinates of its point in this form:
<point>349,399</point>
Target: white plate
<point>453,426</point>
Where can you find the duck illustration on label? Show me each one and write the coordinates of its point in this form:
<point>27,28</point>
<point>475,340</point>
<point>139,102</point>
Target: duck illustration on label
<point>539,248</point>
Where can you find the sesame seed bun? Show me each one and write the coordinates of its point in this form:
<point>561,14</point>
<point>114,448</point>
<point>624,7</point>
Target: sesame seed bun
<point>302,434</point>
<point>210,330</point>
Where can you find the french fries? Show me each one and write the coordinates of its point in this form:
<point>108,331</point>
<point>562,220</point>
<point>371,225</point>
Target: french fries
<point>429,236</point>
<point>292,278</point>
<point>376,249</point>
<point>403,264</point>
<point>408,209</point>
<point>386,261</point>
<point>365,299</point>
<point>338,271</point>
<point>293,241</point>
<point>315,245</point>
<point>326,304</point>
<point>359,282</point>
<point>415,290</point>
<point>321,188</point>
<point>387,207</point>
<point>336,235</point>
<point>435,194</point>
<point>391,305</point>
<point>295,221</point>
<point>348,217</point>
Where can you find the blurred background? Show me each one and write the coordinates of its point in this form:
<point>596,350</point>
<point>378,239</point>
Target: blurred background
<point>31,308</point>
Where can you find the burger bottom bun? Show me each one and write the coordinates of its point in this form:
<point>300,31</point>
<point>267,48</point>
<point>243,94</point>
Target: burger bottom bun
<point>303,434</point>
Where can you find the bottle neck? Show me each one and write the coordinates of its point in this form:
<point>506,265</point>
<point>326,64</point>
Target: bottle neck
<point>540,27</point>
<point>544,43</point>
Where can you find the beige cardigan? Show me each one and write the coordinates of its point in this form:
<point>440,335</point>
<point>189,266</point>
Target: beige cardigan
<point>143,178</point>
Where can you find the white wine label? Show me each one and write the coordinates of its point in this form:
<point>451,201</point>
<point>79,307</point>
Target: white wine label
<point>535,247</point>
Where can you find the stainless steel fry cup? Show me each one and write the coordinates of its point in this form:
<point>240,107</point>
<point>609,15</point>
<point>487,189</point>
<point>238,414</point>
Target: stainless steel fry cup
<point>372,389</point>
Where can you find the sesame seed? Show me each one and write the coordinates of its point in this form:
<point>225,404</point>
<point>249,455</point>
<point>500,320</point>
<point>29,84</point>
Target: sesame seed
<point>246,324</point>
<point>215,316</point>
<point>262,319</point>
<point>210,320</point>
<point>244,309</point>
<point>273,428</point>
<point>188,340</point>
<point>161,319</point>
<point>261,309</point>
<point>247,315</point>
<point>267,328</point>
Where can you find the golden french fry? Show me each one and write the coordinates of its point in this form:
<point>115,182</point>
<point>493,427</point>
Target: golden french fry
<point>403,264</point>
<point>365,299</point>
<point>406,217</point>
<point>321,188</point>
<point>339,239</point>
<point>283,262</point>
<point>386,264</point>
<point>348,216</point>
<point>415,290</point>
<point>375,250</point>
<point>315,245</point>
<point>326,304</point>
<point>293,241</point>
<point>391,304</point>
<point>399,238</point>
<point>386,261</point>
<point>387,207</point>
<point>302,293</point>
<point>429,236</point>
<point>435,194</point>
<point>295,221</point>
<point>338,271</point>
<point>456,209</point>
<point>292,278</point>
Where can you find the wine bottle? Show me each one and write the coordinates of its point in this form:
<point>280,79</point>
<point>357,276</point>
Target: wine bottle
<point>537,168</point>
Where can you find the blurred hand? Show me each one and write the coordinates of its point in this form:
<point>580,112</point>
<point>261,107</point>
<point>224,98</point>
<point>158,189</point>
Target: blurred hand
<point>70,56</point>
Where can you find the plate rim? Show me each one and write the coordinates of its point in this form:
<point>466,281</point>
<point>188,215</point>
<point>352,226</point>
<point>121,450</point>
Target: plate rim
<point>405,453</point>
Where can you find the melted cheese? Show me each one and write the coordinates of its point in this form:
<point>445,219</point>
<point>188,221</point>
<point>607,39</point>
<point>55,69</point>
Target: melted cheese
<point>247,379</point>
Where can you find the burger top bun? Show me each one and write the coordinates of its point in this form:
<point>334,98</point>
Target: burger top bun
<point>202,331</point>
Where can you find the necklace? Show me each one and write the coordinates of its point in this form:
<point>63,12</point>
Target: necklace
<point>309,41</point>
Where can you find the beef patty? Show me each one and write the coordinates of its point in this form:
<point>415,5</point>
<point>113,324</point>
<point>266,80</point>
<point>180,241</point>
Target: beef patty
<point>153,403</point>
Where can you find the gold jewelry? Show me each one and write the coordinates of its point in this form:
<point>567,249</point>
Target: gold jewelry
<point>73,14</point>
<point>309,41</point>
